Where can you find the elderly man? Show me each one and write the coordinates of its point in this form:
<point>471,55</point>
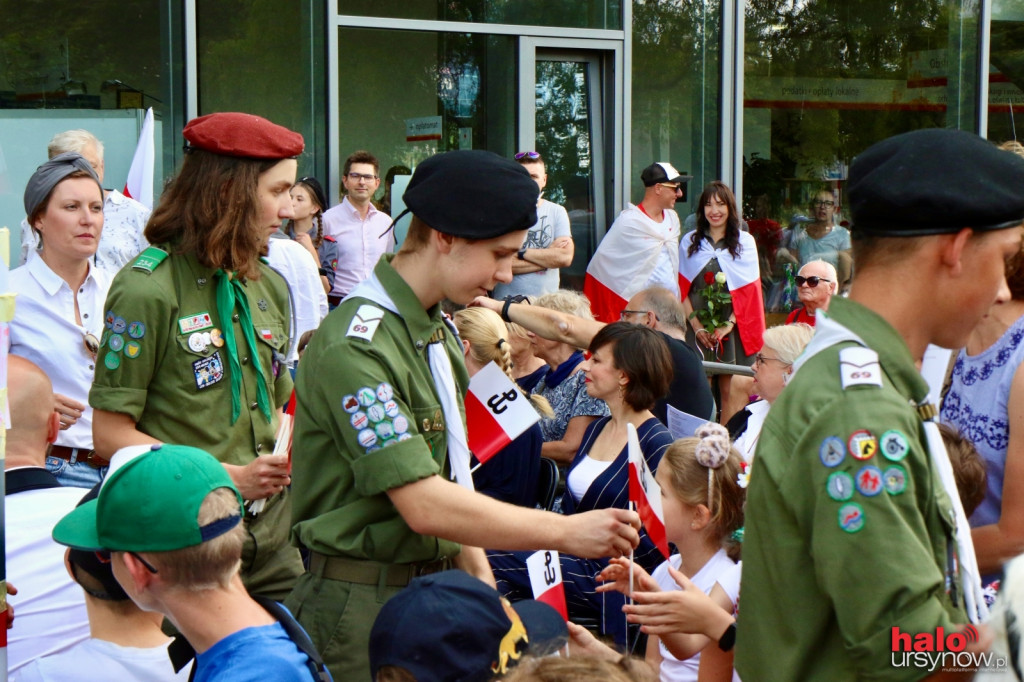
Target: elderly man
<point>816,285</point>
<point>856,542</point>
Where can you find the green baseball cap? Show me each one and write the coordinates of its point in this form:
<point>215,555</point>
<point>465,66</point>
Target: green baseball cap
<point>150,504</point>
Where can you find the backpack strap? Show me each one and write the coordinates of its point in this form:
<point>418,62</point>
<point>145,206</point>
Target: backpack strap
<point>298,637</point>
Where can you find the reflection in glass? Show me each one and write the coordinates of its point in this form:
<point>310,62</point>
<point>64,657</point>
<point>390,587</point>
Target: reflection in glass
<point>603,14</point>
<point>1006,80</point>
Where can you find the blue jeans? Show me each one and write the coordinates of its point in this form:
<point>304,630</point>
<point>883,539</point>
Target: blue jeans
<point>77,475</point>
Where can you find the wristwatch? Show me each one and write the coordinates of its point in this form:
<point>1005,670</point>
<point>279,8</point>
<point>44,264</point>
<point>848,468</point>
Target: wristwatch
<point>728,638</point>
<point>509,300</point>
<point>521,255</point>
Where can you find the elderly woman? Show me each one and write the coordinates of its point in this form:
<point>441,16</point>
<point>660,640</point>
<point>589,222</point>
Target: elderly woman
<point>59,317</point>
<point>773,367</point>
<point>816,285</point>
<point>821,240</point>
<point>564,385</point>
<point>630,367</point>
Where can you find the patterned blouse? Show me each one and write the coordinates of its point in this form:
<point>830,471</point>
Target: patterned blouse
<point>568,398</point>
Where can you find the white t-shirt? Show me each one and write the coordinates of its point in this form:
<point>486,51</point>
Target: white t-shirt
<point>583,476</point>
<point>96,660</point>
<point>302,273</point>
<point>718,567</point>
<point>552,223</point>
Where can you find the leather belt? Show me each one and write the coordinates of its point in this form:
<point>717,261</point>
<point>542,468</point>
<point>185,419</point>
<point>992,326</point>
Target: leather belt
<point>363,572</point>
<point>334,300</point>
<point>74,455</point>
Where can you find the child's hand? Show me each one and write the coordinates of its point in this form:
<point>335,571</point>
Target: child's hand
<point>687,610</point>
<point>583,643</point>
<point>616,577</point>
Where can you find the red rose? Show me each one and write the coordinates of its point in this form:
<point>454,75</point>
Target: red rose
<point>709,277</point>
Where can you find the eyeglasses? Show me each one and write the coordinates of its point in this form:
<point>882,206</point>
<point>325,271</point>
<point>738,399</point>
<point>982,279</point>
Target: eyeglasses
<point>149,567</point>
<point>830,204</point>
<point>762,360</point>
<point>356,177</point>
<point>811,281</point>
<point>92,344</point>
<point>624,313</point>
<point>527,155</point>
<point>671,186</point>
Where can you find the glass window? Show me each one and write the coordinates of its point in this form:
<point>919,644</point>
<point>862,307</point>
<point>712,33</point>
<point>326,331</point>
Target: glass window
<point>676,64</point>
<point>603,14</point>
<point>823,81</point>
<point>1006,79</point>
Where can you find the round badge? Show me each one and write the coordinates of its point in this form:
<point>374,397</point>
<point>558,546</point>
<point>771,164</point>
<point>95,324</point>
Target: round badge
<point>385,430</point>
<point>385,392</point>
<point>132,349</point>
<point>401,424</point>
<point>391,408</point>
<point>207,339</point>
<point>350,404</point>
<point>367,438</point>
<point>863,444</point>
<point>404,436</point>
<point>894,445</point>
<point>851,517</point>
<point>367,396</point>
<point>375,412</point>
<point>895,480</point>
<point>196,342</point>
<point>115,342</point>
<point>840,486</point>
<point>216,337</point>
<point>112,360</point>
<point>136,330</point>
<point>869,481</point>
<point>359,421</point>
<point>832,451</point>
<point>109,319</point>
<point>387,442</point>
<point>118,325</point>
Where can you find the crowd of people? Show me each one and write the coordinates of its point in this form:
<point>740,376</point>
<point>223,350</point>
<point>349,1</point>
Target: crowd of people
<point>243,417</point>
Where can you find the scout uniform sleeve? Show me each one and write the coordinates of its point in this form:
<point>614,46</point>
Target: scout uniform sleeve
<point>862,487</point>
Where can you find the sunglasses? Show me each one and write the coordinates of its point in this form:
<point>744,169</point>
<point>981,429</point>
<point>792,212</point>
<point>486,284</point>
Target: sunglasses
<point>527,155</point>
<point>92,344</point>
<point>104,558</point>
<point>811,281</point>
<point>762,360</point>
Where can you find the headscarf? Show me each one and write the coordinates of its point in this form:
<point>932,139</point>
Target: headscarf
<point>50,174</point>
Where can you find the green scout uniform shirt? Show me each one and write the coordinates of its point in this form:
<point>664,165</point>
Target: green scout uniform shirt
<point>819,601</point>
<point>147,370</point>
<point>361,446</point>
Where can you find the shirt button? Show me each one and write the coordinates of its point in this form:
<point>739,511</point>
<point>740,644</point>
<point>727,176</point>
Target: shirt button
<point>234,317</point>
<point>245,360</point>
<point>91,367</point>
<point>85,315</point>
<point>259,447</point>
<point>419,345</point>
<point>253,406</point>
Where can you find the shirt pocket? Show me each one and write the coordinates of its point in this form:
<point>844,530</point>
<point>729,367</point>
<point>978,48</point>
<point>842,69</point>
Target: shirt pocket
<point>429,421</point>
<point>203,360</point>
<point>271,339</point>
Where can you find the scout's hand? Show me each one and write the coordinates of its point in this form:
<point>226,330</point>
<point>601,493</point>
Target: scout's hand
<point>616,577</point>
<point>69,410</point>
<point>602,532</point>
<point>264,476</point>
<point>687,610</point>
<point>484,302</point>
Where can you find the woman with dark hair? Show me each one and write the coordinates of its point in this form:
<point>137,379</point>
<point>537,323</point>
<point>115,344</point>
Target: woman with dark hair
<point>630,367</point>
<point>307,227</point>
<point>718,257</point>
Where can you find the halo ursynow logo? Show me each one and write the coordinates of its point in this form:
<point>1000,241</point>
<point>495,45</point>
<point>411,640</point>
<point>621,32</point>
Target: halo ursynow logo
<point>941,650</point>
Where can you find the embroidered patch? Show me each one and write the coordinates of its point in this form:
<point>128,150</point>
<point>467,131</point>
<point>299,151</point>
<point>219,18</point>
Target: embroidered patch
<point>404,436</point>
<point>832,451</point>
<point>350,404</point>
<point>112,360</point>
<point>401,424</point>
<point>261,304</point>
<point>863,444</point>
<point>895,480</point>
<point>840,486</point>
<point>359,421</point>
<point>367,438</point>
<point>859,366</point>
<point>208,371</point>
<point>366,396</point>
<point>194,323</point>
<point>365,322</point>
<point>118,325</point>
<point>136,330</point>
<point>267,334</point>
<point>851,517</point>
<point>115,342</point>
<point>375,412</point>
<point>385,392</point>
<point>149,260</point>
<point>869,481</point>
<point>894,445</point>
<point>109,319</point>
<point>132,349</point>
<point>391,409</point>
<point>385,430</point>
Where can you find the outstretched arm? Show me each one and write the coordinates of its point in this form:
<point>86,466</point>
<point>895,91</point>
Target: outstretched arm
<point>550,324</point>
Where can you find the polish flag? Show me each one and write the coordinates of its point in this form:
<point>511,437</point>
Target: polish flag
<point>139,185</point>
<point>742,278</point>
<point>645,493</point>
<point>497,412</point>
<point>546,580</point>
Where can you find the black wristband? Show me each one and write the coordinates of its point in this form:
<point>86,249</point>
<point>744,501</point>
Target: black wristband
<point>521,255</point>
<point>323,271</point>
<point>728,638</point>
<point>504,309</point>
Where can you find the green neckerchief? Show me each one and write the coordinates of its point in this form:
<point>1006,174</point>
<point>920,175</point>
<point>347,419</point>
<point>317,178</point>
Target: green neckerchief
<point>230,293</point>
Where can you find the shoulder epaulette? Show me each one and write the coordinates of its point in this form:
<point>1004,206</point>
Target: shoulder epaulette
<point>150,259</point>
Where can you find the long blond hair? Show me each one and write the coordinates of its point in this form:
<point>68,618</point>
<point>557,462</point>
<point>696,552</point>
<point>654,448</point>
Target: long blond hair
<point>488,341</point>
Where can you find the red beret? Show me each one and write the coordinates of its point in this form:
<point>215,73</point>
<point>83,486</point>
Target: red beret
<point>245,135</point>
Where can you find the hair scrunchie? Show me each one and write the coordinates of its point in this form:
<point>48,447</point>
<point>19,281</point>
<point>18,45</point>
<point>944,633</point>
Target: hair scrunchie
<point>712,451</point>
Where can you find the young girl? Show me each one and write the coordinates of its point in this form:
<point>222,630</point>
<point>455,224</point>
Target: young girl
<point>702,502</point>
<point>511,474</point>
<point>307,227</point>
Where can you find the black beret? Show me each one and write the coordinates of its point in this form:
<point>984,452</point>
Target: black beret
<point>473,194</point>
<point>244,135</point>
<point>935,181</point>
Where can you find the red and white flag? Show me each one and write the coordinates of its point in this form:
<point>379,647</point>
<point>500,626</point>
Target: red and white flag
<point>742,277</point>
<point>645,493</point>
<point>546,580</point>
<point>497,412</point>
<point>627,259</point>
<point>139,185</point>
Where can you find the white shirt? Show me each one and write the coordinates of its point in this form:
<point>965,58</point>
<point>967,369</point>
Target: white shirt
<point>49,607</point>
<point>44,331</point>
<point>583,476</point>
<point>361,242</point>
<point>124,221</point>
<point>746,444</point>
<point>96,660</point>
<point>302,273</point>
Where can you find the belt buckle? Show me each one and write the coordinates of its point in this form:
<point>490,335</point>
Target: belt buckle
<point>94,460</point>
